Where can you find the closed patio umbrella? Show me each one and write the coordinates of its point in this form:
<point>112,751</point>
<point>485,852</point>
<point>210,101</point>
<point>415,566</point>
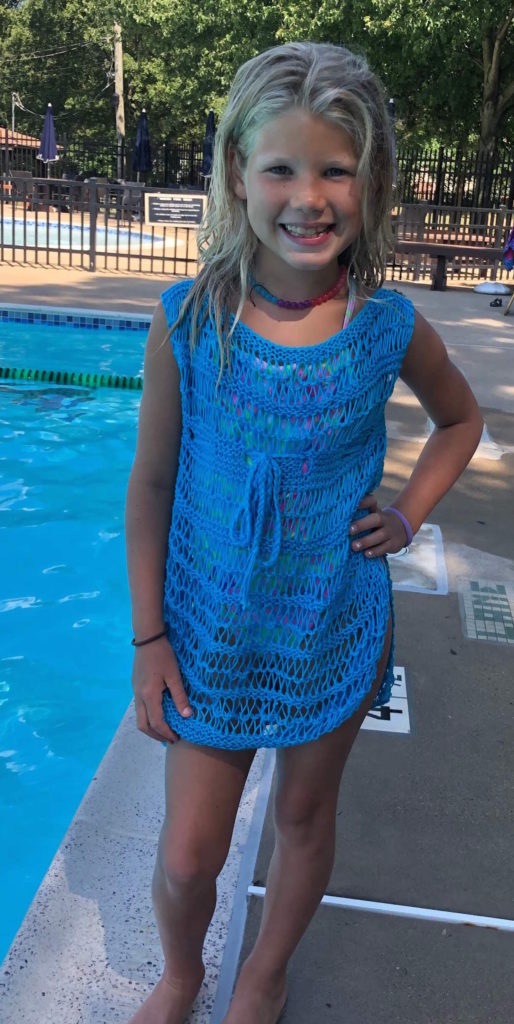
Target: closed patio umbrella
<point>142,154</point>
<point>208,145</point>
<point>48,145</point>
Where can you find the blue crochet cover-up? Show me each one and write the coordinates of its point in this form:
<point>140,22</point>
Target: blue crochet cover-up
<point>276,624</point>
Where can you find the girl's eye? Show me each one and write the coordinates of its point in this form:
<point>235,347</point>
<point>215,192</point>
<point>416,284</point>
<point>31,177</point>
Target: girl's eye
<point>284,167</point>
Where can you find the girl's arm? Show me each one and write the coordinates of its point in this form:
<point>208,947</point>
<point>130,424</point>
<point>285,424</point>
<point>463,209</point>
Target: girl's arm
<point>448,400</point>
<point>152,480</point>
<point>148,511</point>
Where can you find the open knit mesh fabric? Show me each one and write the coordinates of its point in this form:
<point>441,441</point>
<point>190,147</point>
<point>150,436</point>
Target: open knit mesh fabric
<point>277,625</point>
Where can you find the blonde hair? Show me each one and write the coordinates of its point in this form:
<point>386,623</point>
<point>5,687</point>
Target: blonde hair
<point>322,79</point>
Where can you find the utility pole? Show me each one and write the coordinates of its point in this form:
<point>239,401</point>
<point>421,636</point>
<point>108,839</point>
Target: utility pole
<point>16,102</point>
<point>118,95</point>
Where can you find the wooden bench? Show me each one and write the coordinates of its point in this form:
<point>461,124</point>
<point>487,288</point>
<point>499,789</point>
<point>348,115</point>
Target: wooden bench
<point>443,251</point>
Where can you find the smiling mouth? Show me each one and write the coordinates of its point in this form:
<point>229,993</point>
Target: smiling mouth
<point>314,232</point>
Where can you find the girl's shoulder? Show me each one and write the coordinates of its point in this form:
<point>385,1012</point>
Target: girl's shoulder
<point>173,297</point>
<point>394,306</point>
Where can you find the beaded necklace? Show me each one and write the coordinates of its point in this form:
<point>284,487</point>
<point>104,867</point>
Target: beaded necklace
<point>307,303</point>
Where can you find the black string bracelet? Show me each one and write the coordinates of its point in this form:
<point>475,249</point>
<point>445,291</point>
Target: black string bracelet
<point>141,643</point>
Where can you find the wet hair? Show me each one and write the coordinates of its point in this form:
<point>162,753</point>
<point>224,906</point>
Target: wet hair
<point>324,80</point>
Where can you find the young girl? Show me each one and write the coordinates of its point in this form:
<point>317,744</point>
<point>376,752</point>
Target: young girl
<point>262,605</point>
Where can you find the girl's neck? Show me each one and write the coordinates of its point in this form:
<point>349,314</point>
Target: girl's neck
<point>297,285</point>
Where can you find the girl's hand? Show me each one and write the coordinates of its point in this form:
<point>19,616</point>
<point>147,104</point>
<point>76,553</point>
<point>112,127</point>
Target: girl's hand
<point>388,533</point>
<point>155,670</point>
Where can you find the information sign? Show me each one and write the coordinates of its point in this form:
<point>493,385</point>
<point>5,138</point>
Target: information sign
<point>182,209</point>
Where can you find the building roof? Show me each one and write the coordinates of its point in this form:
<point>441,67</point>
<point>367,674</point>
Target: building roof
<point>19,139</point>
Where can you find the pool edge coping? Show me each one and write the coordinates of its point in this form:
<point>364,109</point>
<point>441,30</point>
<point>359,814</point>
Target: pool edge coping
<point>78,950</point>
<point>84,311</point>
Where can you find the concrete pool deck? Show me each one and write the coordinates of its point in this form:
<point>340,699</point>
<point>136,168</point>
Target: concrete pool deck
<point>67,286</point>
<point>426,820</point>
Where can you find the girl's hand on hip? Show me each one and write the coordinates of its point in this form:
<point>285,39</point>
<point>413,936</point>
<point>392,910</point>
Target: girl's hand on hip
<point>155,670</point>
<point>387,531</point>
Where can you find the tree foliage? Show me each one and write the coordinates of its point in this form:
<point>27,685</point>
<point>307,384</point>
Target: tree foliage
<point>448,63</point>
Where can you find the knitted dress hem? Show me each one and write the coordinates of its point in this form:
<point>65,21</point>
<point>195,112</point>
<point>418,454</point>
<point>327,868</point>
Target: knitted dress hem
<point>185,727</point>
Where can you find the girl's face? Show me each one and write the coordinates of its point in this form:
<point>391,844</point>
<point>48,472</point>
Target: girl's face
<point>301,172</point>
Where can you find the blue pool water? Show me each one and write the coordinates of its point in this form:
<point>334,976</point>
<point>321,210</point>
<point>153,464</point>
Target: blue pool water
<point>65,656</point>
<point>72,236</point>
<point>47,346</point>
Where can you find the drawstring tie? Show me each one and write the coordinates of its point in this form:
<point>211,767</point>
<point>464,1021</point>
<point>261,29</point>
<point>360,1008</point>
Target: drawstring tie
<point>262,483</point>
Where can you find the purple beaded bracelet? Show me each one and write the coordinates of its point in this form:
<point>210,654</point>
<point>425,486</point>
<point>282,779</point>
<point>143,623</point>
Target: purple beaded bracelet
<point>406,525</point>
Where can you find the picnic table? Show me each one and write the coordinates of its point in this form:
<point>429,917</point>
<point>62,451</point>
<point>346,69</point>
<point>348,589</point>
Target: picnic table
<point>441,252</point>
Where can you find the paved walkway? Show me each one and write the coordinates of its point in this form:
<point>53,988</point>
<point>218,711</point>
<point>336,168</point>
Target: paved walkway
<point>425,819</point>
<point>48,286</point>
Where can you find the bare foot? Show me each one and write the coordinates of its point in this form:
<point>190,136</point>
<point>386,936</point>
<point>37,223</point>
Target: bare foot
<point>256,1002</point>
<point>169,1003</point>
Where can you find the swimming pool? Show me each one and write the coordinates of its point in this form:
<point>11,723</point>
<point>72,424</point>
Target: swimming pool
<point>66,236</point>
<point>65,659</point>
<point>62,340</point>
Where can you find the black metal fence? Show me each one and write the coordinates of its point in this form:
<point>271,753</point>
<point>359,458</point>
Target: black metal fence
<point>454,177</point>
<point>172,163</point>
<point>98,224</point>
<point>94,225</point>
<point>443,177</point>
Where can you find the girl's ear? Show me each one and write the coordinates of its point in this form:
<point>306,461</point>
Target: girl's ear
<point>236,176</point>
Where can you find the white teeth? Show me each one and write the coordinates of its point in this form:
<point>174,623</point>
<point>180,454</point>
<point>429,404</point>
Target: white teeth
<point>306,232</point>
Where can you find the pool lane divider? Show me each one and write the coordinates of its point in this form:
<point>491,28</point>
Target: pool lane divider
<point>90,380</point>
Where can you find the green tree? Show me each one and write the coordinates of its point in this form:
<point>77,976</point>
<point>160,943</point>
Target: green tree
<point>179,58</point>
<point>48,56</point>
<point>448,63</point>
<point>498,52</point>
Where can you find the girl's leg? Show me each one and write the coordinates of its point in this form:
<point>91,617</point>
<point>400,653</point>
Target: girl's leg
<point>203,790</point>
<point>308,780</point>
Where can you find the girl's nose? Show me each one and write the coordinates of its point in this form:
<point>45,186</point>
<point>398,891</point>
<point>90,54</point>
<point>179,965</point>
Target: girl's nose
<point>308,195</point>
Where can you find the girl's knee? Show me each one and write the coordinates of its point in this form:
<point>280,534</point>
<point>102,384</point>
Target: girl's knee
<point>304,818</point>
<point>187,863</point>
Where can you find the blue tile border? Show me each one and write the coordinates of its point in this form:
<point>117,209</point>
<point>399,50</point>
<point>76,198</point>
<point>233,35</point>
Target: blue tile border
<point>67,317</point>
